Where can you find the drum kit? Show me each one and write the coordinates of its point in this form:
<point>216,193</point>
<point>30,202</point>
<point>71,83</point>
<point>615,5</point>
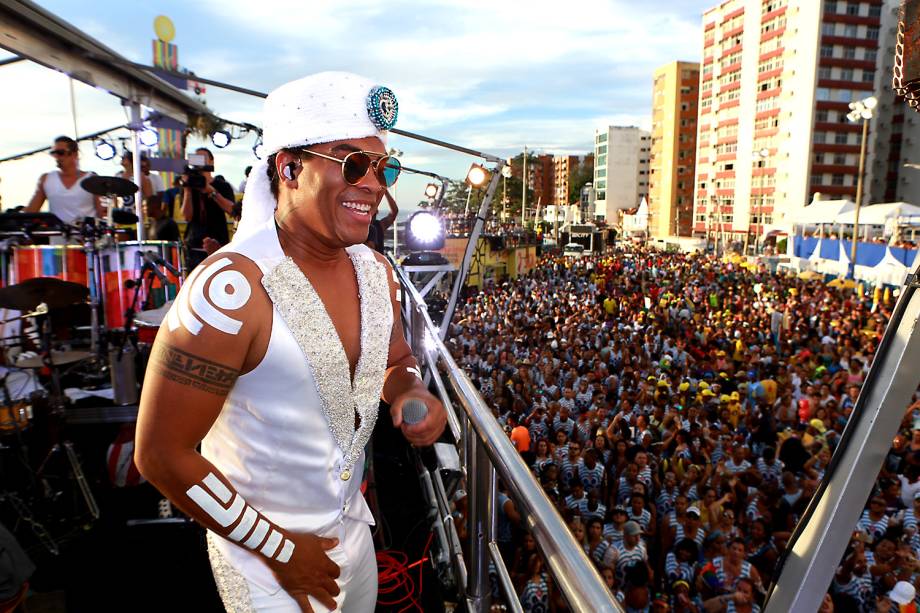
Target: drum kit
<point>78,302</point>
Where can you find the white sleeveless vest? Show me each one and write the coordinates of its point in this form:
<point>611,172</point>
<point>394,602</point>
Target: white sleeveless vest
<point>70,205</point>
<point>286,436</point>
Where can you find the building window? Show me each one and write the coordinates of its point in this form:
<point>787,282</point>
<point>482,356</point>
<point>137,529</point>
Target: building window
<point>870,55</point>
<point>817,179</point>
<point>875,11</point>
<point>852,8</point>
<point>823,93</point>
<point>850,31</point>
<point>846,74</point>
<point>828,29</point>
<point>872,33</point>
<point>840,138</point>
<point>849,53</point>
<point>868,76</point>
<point>602,149</point>
<point>830,6</point>
<point>827,50</point>
<point>602,138</point>
<point>840,159</point>
<point>821,115</point>
<point>837,180</point>
<point>819,138</point>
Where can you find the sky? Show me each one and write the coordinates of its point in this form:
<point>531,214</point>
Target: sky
<point>489,76</point>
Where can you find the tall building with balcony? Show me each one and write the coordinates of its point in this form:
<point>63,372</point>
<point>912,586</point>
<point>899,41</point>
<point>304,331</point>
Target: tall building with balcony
<point>675,94</point>
<point>775,83</point>
<point>563,166</point>
<point>541,178</point>
<point>621,167</point>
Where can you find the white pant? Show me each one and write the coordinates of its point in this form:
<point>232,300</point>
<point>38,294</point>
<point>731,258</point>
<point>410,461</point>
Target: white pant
<point>357,582</point>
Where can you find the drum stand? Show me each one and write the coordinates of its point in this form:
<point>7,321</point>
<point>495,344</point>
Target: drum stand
<point>21,509</point>
<point>88,234</point>
<point>57,404</point>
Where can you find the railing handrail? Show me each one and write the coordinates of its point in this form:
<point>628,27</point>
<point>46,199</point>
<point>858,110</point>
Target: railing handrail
<point>575,574</point>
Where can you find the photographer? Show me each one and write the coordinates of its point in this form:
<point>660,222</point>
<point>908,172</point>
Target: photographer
<point>206,201</point>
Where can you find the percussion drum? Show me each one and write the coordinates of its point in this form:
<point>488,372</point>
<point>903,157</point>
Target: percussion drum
<point>123,262</point>
<point>65,262</point>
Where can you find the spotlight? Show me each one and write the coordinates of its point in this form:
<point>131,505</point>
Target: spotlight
<point>221,139</point>
<point>426,232</point>
<point>258,149</point>
<point>431,190</point>
<point>105,150</point>
<point>477,175</point>
<point>506,171</point>
<point>148,137</point>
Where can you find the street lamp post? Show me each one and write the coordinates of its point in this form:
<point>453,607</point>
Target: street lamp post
<point>395,153</point>
<point>861,109</point>
<point>763,154</point>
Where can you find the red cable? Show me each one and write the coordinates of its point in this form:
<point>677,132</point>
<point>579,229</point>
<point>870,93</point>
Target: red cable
<point>393,576</point>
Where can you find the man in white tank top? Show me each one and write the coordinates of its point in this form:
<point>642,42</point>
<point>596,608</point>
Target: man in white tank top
<point>274,358</point>
<point>61,188</point>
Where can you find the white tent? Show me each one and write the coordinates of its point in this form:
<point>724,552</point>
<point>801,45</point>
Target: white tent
<point>819,212</point>
<point>878,214</point>
<point>637,222</point>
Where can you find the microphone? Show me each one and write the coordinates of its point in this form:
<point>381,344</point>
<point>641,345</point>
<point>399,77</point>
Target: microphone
<point>414,410</point>
<point>150,265</point>
<point>156,259</point>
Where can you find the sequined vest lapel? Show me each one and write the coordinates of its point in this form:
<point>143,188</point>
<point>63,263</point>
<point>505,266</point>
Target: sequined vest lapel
<point>301,308</point>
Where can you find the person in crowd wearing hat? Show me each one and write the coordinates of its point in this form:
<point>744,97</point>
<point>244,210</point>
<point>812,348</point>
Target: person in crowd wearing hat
<point>275,356</point>
<point>63,189</point>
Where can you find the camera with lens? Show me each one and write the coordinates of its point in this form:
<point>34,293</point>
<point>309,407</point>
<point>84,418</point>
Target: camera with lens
<point>193,176</point>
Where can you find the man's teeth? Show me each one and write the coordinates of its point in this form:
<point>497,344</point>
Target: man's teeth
<point>357,206</point>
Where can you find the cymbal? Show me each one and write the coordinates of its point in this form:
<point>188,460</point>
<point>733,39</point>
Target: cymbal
<point>108,186</point>
<point>154,317</point>
<point>123,216</point>
<point>58,358</point>
<point>30,293</point>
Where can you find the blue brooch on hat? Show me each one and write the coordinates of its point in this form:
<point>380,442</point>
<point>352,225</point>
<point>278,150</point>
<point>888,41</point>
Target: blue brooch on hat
<point>382,107</point>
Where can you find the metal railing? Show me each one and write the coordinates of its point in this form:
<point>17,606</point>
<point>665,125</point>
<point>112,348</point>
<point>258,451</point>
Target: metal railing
<point>486,453</point>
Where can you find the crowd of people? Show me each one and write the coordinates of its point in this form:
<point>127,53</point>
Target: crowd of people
<point>680,411</point>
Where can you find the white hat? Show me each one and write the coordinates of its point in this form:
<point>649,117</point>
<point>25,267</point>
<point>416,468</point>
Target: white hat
<point>324,107</point>
<point>318,108</point>
<point>902,593</point>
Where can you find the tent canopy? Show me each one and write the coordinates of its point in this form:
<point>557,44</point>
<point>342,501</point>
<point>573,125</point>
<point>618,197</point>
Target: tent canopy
<point>821,211</point>
<point>879,214</point>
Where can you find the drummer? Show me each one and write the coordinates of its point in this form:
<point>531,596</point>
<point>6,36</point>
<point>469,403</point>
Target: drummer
<point>63,189</point>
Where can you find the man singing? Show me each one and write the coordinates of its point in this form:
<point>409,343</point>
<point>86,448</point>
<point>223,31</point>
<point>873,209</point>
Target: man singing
<point>275,355</point>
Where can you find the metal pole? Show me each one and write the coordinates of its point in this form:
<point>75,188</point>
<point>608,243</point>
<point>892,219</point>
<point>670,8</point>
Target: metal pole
<point>822,535</point>
<point>464,270</point>
<point>482,509</point>
<point>73,110</point>
<point>859,189</point>
<point>524,194</point>
<point>136,126</point>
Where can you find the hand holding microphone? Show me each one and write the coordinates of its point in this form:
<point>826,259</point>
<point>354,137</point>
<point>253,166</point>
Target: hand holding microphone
<point>420,416</point>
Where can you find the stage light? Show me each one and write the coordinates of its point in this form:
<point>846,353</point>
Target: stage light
<point>148,137</point>
<point>221,139</point>
<point>506,171</point>
<point>105,150</point>
<point>431,190</point>
<point>426,232</point>
<point>477,175</point>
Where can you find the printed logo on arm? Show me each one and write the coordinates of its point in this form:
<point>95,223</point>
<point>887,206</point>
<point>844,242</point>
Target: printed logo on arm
<point>229,290</point>
<point>212,498</point>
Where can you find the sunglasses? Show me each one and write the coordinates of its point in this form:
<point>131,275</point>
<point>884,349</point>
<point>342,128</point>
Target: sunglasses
<point>356,164</point>
<point>59,152</point>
